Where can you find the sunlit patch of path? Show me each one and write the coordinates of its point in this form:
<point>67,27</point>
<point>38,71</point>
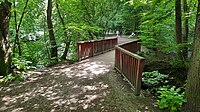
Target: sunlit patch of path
<point>86,86</point>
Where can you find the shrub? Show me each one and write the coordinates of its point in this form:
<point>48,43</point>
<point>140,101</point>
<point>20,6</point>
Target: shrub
<point>171,99</point>
<point>11,77</point>
<point>154,80</point>
<point>22,64</point>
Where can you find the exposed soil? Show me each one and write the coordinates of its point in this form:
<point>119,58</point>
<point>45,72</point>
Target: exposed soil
<point>52,92</point>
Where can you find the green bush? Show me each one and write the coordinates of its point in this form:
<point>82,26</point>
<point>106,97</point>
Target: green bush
<point>73,57</point>
<point>22,64</point>
<point>153,80</point>
<point>171,99</point>
<point>11,77</point>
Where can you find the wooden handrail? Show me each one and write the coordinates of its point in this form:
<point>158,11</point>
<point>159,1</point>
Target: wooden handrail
<point>125,43</point>
<point>130,53</point>
<point>96,40</point>
<point>91,48</point>
<point>129,64</point>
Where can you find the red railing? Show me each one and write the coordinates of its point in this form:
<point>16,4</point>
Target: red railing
<point>130,64</point>
<point>88,49</point>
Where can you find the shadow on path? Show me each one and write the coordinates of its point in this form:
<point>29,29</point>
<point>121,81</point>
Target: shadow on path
<point>61,87</point>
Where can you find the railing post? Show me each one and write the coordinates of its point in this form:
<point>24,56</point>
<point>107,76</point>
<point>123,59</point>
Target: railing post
<point>139,45</point>
<point>120,61</point>
<point>116,41</point>
<point>110,44</point>
<point>93,48</point>
<point>103,46</point>
<point>115,48</point>
<point>140,67</point>
<point>79,51</point>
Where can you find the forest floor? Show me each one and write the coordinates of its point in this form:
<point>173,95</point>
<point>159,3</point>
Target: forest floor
<point>91,85</point>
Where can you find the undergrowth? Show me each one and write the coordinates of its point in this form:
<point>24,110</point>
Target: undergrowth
<point>9,78</point>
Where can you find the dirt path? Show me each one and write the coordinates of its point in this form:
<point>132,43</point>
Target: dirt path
<point>89,86</point>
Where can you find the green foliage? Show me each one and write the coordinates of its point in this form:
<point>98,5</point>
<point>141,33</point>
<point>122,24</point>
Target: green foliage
<point>4,1</point>
<point>82,27</point>
<point>177,63</point>
<point>153,80</point>
<point>154,22</point>
<point>170,98</point>
<point>22,64</point>
<point>10,78</point>
<point>73,57</point>
<point>83,19</point>
<point>157,26</point>
<point>36,52</point>
<point>81,31</point>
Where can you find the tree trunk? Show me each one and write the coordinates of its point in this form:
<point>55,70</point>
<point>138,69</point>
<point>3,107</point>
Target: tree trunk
<point>91,35</point>
<point>193,79</point>
<point>185,30</point>
<point>67,44</point>
<point>67,38</point>
<point>54,52</point>
<point>178,27</point>
<point>5,50</point>
<point>17,27</point>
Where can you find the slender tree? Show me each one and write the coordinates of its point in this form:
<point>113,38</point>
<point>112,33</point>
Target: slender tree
<point>54,51</point>
<point>185,29</point>
<point>5,50</point>
<point>193,79</point>
<point>178,27</point>
<point>17,26</point>
<point>67,38</point>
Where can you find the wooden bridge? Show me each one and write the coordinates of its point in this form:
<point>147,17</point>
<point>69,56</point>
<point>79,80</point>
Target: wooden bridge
<point>127,62</point>
<point>91,85</point>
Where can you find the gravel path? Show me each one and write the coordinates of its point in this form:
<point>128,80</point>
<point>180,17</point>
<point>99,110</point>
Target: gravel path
<point>91,85</point>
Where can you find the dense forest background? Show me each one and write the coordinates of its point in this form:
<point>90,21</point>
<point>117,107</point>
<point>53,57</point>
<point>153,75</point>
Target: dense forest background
<point>76,20</point>
<point>40,33</point>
